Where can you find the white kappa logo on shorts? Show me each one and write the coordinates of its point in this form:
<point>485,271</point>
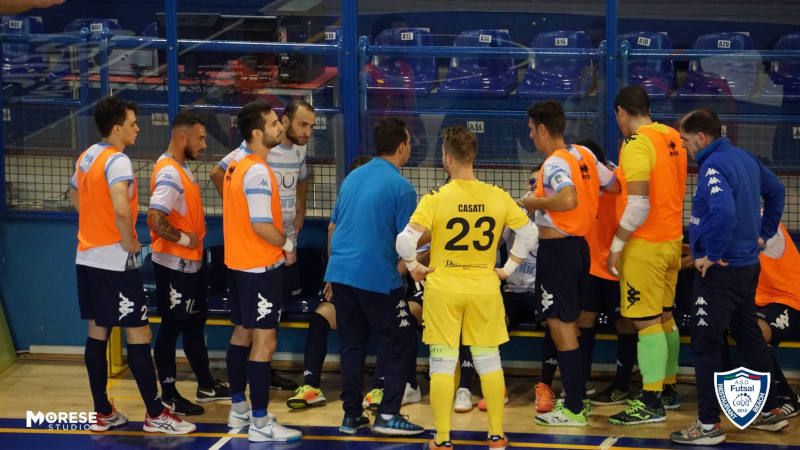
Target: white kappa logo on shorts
<point>264,307</point>
<point>125,306</point>
<point>782,321</point>
<point>174,297</point>
<point>547,299</point>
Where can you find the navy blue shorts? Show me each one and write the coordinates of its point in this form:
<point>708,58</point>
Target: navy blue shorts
<point>111,298</point>
<point>783,320</point>
<point>257,298</point>
<point>601,297</point>
<point>180,294</point>
<point>562,278</point>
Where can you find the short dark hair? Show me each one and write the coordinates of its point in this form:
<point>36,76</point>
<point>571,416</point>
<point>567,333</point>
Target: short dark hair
<point>460,143</point>
<point>112,111</point>
<point>634,100</point>
<point>702,120</point>
<point>595,148</point>
<point>251,117</point>
<point>359,161</point>
<point>550,114</point>
<point>186,118</point>
<point>388,134</point>
<point>293,105</point>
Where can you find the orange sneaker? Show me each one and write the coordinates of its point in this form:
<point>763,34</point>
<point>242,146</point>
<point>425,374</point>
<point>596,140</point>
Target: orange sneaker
<point>496,441</point>
<point>544,398</point>
<point>482,403</point>
<point>432,445</point>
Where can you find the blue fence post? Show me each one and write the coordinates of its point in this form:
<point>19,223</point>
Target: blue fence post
<point>105,82</point>
<point>348,83</point>
<point>611,80</point>
<point>173,87</point>
<point>83,90</point>
<point>2,143</point>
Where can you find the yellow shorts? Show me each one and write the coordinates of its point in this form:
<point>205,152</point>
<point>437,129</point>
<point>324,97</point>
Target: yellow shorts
<point>477,319</point>
<point>648,275</point>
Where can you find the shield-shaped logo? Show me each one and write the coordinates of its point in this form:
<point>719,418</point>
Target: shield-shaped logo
<point>741,394</point>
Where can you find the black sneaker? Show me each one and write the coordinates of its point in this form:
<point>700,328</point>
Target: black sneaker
<point>610,396</point>
<point>670,397</point>
<point>639,413</point>
<point>397,425</point>
<point>791,406</point>
<point>280,383</point>
<point>182,407</point>
<point>220,391</point>
<point>351,425</point>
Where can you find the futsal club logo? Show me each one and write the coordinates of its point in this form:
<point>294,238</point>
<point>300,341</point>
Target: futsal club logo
<point>741,394</point>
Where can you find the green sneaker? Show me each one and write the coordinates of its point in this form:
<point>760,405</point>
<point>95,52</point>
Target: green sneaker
<point>639,413</point>
<point>373,399</point>
<point>587,406</point>
<point>560,416</point>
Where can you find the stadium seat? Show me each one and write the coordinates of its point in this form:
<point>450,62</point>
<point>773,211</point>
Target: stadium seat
<point>497,137</point>
<point>480,77</point>
<point>787,73</point>
<point>402,74</point>
<point>712,77</point>
<point>656,77</point>
<point>20,61</point>
<point>558,78</point>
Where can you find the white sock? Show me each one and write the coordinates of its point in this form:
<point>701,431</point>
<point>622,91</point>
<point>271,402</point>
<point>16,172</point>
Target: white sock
<point>240,407</point>
<point>708,427</point>
<point>386,416</point>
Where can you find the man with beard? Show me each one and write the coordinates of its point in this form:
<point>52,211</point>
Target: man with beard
<point>255,252</point>
<point>288,162</point>
<point>177,226</point>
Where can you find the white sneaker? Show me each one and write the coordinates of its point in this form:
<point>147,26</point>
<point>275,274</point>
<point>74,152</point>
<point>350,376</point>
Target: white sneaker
<point>411,395</point>
<point>463,402</point>
<point>238,420</point>
<point>167,423</point>
<point>115,419</point>
<point>272,431</point>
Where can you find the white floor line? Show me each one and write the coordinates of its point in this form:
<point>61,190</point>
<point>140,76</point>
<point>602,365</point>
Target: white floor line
<point>609,442</point>
<point>222,441</point>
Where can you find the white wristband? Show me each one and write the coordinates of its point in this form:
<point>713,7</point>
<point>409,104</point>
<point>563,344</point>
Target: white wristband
<point>510,266</point>
<point>184,240</point>
<point>617,245</point>
<point>288,246</point>
<point>411,265</point>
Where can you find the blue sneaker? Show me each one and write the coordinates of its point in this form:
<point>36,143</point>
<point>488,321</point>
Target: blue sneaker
<point>398,425</point>
<point>351,425</point>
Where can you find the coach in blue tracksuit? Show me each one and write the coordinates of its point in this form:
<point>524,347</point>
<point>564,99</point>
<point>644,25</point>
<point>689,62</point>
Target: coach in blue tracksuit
<point>726,233</point>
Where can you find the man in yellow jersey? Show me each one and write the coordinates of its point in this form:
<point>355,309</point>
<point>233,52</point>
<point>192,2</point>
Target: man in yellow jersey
<point>646,250</point>
<point>565,204</point>
<point>462,293</point>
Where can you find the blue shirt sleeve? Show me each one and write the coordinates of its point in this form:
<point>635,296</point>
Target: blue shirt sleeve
<point>406,204</point>
<point>773,192</point>
<point>722,211</point>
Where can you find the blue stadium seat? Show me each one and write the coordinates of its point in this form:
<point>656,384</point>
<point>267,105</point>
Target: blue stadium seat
<point>480,77</point>
<point>402,74</point>
<point>712,77</point>
<point>656,77</point>
<point>497,137</point>
<point>787,73</point>
<point>558,78</point>
<point>20,60</point>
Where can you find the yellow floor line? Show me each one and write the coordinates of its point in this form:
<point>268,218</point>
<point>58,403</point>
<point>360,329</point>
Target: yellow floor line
<point>311,438</point>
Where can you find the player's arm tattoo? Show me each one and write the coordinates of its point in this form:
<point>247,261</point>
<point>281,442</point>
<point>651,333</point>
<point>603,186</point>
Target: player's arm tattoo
<point>157,221</point>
